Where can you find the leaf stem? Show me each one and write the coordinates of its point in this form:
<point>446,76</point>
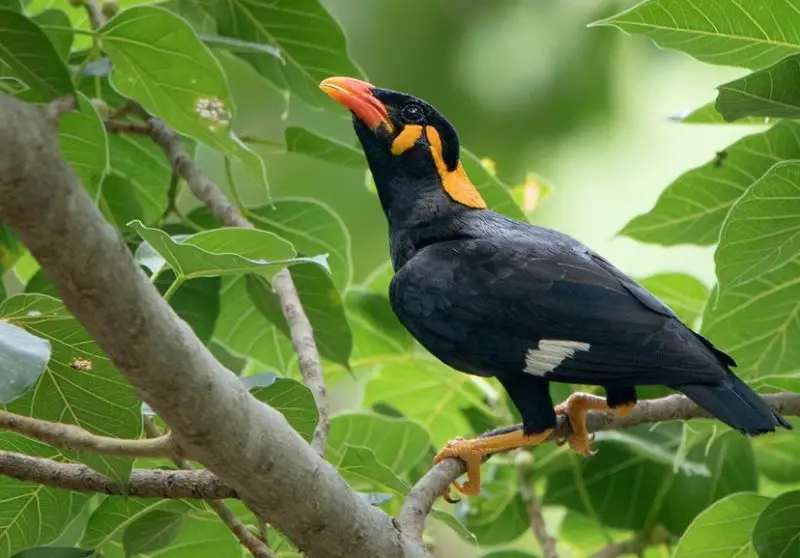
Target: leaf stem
<point>176,284</point>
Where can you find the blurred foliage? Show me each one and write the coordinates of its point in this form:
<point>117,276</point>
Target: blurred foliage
<point>238,80</point>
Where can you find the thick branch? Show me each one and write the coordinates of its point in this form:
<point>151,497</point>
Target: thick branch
<point>68,436</point>
<point>674,407</point>
<point>213,417</point>
<point>145,483</point>
<point>228,214</point>
<point>547,543</point>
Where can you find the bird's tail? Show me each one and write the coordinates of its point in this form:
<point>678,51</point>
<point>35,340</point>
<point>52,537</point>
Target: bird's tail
<point>735,404</point>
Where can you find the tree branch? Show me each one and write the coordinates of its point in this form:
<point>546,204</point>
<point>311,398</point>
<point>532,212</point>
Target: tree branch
<point>228,214</point>
<point>674,407</point>
<point>95,12</point>
<point>211,415</point>
<point>144,483</point>
<point>524,462</point>
<point>68,436</point>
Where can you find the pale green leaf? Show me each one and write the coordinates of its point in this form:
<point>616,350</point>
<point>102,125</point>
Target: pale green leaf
<point>498,515</point>
<point>692,209</point>
<point>152,531</point>
<point>84,145</point>
<point>54,552</point>
<point>116,513</point>
<point>684,294</point>
<point>771,92</point>
<point>377,333</point>
<point>303,142</point>
<point>454,523</point>
<point>762,230</point>
<point>708,114</point>
<point>724,529</point>
<point>236,45</point>
<point>777,530</point>
<point>217,252</point>
<point>776,454</point>
<point>23,359</point>
<point>289,397</point>
<point>160,62</point>
<point>359,465</point>
<point>397,443</point>
<point>81,385</point>
<point>725,32</point>
<point>494,191</point>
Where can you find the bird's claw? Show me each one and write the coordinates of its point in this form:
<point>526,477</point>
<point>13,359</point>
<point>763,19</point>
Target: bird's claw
<point>461,448</point>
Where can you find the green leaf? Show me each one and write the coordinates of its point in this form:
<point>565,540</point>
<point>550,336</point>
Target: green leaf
<point>84,145</point>
<point>770,92</point>
<point>160,62</point>
<point>730,520</point>
<point>228,251</point>
<point>80,385</point>
<point>125,206</point>
<point>756,323</point>
<point>54,552</point>
<point>494,191</point>
<point>762,230</point>
<point>708,114</point>
<point>39,283</point>
<point>291,398</point>
<point>152,531</point>
<point>312,44</point>
<point>777,530</point>
<point>244,331</point>
<point>14,5</point>
<point>323,307</point>
<point>197,302</point>
<point>429,393</point>
<point>498,515</point>
<point>33,514</point>
<point>747,34</point>
<point>509,554</point>
<point>359,465</point>
<point>376,330</point>
<point>313,228</point>
<point>23,359</point>
<point>116,513</point>
<point>235,45</point>
<point>61,38</point>
<point>684,294</point>
<point>455,524</point>
<point>693,208</point>
<point>303,142</point>
<point>776,454</point>
<point>28,54</point>
<point>397,443</point>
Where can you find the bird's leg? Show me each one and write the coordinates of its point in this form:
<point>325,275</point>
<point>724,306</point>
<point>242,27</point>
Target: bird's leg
<point>471,452</point>
<point>576,407</point>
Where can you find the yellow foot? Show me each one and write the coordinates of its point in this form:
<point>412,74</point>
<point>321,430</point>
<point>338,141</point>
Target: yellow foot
<point>576,407</point>
<point>471,452</point>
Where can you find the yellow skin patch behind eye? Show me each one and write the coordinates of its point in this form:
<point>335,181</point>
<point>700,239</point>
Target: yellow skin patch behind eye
<point>456,183</point>
<point>406,139</point>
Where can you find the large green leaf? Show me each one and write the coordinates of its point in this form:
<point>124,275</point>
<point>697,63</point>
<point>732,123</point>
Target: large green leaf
<point>777,531</point>
<point>161,63</point>
<point>708,114</point>
<point>84,145</point>
<point>762,231</point>
<point>692,209</point>
<point>54,552</point>
<point>776,454</point>
<point>359,465</point>
<point>377,333</point>
<point>322,304</point>
<point>311,42</point>
<point>454,523</point>
<point>197,302</point>
<point>116,513</point>
<point>498,515</point>
<point>681,292</point>
<point>771,92</point>
<point>57,26</point>
<point>291,398</point>
<point>724,529</point>
<point>397,443</point>
<point>152,531</point>
<point>23,359</point>
<point>303,142</point>
<point>80,386</point>
<point>726,32</point>
<point>313,228</point>
<point>217,252</point>
<point>27,53</point>
<point>124,206</point>
<point>244,331</point>
<point>757,323</point>
<point>32,514</point>
<point>430,393</point>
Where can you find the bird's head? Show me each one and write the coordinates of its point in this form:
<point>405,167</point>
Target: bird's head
<point>411,148</point>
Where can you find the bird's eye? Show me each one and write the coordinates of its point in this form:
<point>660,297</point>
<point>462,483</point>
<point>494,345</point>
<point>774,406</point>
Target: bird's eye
<point>412,113</point>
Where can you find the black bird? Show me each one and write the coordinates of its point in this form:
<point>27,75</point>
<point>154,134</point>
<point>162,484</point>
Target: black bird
<point>492,296</point>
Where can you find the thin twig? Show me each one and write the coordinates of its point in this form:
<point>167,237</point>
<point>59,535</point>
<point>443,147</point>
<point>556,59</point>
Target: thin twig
<point>117,127</point>
<point>420,499</point>
<point>636,545</point>
<point>144,483</point>
<point>95,12</point>
<point>524,462</point>
<point>68,436</point>
<point>256,546</point>
<point>229,214</point>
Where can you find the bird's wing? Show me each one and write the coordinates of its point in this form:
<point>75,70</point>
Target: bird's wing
<point>490,306</point>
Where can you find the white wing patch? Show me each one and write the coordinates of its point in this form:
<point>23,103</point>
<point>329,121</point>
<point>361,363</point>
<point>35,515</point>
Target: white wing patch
<point>551,353</point>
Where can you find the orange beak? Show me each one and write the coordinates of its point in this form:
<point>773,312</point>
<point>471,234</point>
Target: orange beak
<point>357,96</point>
